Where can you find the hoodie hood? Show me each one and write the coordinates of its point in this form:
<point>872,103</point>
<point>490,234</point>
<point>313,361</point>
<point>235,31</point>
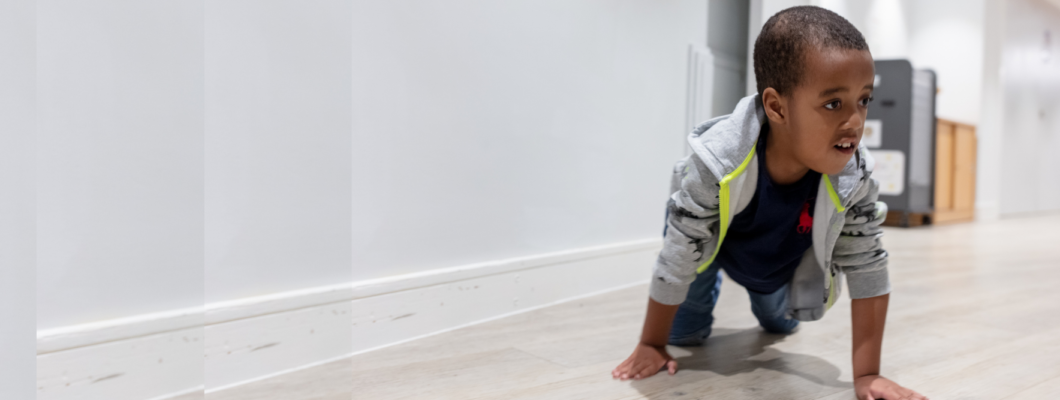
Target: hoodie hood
<point>722,143</point>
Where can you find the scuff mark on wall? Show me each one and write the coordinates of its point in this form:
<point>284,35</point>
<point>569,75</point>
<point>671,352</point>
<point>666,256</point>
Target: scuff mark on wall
<point>111,376</point>
<point>265,346</point>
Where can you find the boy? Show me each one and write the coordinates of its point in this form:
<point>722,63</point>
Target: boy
<point>779,194</point>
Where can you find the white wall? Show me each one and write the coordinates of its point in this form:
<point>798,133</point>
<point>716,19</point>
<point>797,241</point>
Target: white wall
<point>1031,90</point>
<point>991,126</point>
<point>17,199</point>
<point>947,37</point>
<point>486,130</point>
<point>183,143</point>
<point>278,159</point>
<point>134,196</point>
<point>119,159</point>
<point>886,29</point>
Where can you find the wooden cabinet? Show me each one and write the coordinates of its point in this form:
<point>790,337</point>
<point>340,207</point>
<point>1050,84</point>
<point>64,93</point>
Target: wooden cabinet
<point>955,157</point>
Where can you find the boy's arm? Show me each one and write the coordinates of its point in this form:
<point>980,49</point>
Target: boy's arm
<point>868,316</point>
<point>692,214</point>
<point>860,254</point>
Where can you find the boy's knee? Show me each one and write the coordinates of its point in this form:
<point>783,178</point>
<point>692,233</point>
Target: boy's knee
<point>703,308</point>
<point>695,339</point>
<point>781,326</point>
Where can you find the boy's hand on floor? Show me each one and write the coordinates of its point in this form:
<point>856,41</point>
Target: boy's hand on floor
<point>645,361</point>
<point>872,387</point>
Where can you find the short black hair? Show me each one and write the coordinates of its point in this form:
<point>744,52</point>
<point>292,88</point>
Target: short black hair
<point>779,53</point>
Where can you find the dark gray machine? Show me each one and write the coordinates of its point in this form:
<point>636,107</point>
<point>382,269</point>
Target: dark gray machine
<point>902,118</point>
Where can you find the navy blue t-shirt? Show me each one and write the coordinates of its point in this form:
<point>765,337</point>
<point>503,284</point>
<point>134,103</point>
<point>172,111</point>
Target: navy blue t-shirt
<point>766,241</point>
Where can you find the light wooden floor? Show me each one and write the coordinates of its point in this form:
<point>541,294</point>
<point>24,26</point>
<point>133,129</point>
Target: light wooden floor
<point>974,314</point>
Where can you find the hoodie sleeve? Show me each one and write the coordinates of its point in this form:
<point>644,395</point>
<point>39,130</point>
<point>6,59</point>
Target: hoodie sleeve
<point>691,224</point>
<point>858,251</point>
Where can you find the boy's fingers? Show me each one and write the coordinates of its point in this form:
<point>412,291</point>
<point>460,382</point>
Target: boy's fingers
<point>671,366</point>
<point>910,394</point>
<point>644,372</point>
<point>914,396</point>
<point>630,371</point>
<point>633,372</point>
<point>622,368</point>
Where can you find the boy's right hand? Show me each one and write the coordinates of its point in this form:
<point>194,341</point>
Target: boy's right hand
<point>645,361</point>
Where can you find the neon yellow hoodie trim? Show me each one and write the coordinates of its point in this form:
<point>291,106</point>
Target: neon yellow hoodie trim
<point>723,206</point>
<point>835,196</point>
<point>831,293</point>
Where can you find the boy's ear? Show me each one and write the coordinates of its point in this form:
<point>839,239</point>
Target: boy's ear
<point>775,105</point>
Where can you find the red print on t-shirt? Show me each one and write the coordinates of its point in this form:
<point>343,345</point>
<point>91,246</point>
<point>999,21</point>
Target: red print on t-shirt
<point>805,219</point>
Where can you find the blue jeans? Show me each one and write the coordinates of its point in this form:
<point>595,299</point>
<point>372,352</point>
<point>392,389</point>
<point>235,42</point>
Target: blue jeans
<point>695,315</point>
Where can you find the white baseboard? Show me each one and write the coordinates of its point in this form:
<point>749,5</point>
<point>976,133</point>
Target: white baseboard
<point>251,349</point>
<point>142,367</point>
<point>392,311</point>
<point>236,342</point>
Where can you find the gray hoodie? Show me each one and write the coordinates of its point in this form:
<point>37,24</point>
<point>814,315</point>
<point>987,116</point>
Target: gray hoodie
<point>718,180</point>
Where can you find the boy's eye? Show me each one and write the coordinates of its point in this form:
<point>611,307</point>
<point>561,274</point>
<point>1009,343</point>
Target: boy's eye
<point>865,102</point>
<point>833,105</point>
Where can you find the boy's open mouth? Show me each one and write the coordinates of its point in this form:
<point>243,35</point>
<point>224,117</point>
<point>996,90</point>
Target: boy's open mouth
<point>846,147</point>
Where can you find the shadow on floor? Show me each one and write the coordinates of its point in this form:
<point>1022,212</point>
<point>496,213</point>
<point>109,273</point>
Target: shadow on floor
<point>729,352</point>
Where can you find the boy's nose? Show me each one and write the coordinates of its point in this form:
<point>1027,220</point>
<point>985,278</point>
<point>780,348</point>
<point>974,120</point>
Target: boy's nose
<point>855,121</point>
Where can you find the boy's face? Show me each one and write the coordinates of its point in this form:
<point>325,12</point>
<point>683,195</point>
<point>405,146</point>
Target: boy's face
<point>824,115</point>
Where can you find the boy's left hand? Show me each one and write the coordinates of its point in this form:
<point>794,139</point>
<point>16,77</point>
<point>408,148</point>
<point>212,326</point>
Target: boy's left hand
<point>872,387</point>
